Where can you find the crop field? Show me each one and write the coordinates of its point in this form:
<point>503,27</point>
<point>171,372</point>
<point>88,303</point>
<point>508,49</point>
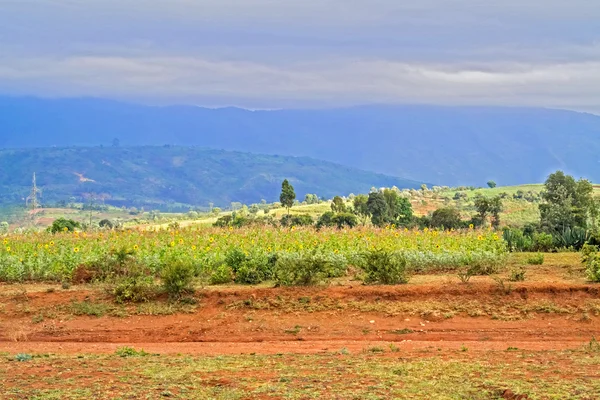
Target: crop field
<point>249,331</point>
<point>54,257</point>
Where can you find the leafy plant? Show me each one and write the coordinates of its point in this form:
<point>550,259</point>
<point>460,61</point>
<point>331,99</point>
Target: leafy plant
<point>130,352</point>
<point>221,274</point>
<point>517,274</point>
<point>177,277</point>
<point>536,259</point>
<point>385,267</point>
<point>303,269</point>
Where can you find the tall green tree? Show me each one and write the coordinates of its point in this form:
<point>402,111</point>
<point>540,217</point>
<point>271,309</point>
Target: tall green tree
<point>378,208</point>
<point>491,184</point>
<point>338,205</point>
<point>567,203</point>
<point>489,206</point>
<point>399,208</point>
<point>287,196</point>
<point>361,207</point>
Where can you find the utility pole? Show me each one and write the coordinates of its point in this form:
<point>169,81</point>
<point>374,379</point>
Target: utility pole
<point>32,199</point>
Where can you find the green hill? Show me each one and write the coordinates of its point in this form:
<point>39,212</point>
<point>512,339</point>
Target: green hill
<point>161,176</point>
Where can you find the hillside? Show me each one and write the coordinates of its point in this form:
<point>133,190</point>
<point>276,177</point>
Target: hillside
<point>442,145</point>
<point>156,176</point>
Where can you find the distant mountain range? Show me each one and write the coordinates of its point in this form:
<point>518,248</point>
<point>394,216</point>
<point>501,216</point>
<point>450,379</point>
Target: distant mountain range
<point>441,145</point>
<point>168,177</point>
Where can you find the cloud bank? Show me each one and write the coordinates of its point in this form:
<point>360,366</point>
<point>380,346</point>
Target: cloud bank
<point>266,53</point>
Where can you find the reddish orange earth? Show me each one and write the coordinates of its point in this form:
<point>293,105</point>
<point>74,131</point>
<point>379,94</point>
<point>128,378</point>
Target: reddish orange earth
<point>240,320</point>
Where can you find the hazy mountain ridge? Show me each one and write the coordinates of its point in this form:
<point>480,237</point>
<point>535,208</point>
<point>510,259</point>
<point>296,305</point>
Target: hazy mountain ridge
<point>160,175</point>
<point>443,145</point>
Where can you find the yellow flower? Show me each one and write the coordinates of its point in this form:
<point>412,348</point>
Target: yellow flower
<point>46,246</point>
<point>172,244</point>
<point>180,241</point>
<point>479,237</point>
<point>76,250</point>
<point>20,260</point>
<point>65,229</point>
<point>5,241</point>
<point>193,247</point>
<point>231,228</point>
<point>269,249</point>
<point>211,239</point>
<point>52,243</point>
<point>471,226</point>
<point>8,249</point>
<point>135,247</point>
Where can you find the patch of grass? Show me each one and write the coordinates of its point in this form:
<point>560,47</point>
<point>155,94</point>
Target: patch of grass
<point>294,331</point>
<point>87,307</point>
<point>404,331</point>
<point>130,352</point>
<point>536,259</point>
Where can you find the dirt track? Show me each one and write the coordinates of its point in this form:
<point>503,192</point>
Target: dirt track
<point>247,320</point>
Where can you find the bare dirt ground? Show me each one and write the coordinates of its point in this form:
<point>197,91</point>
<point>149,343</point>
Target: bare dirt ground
<point>533,339</point>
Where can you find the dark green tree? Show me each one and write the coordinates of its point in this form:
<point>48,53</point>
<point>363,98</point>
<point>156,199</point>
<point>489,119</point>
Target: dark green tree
<point>488,206</point>
<point>399,208</point>
<point>491,184</point>
<point>446,217</point>
<point>378,208</point>
<point>338,205</point>
<point>567,203</point>
<point>287,196</point>
<point>361,208</point>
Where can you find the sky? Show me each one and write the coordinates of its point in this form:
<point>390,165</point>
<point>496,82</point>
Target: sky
<point>305,53</point>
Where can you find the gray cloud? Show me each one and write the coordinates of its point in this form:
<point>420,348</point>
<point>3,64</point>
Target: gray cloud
<point>267,53</point>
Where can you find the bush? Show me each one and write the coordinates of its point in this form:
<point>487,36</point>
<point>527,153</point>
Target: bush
<point>223,221</point>
<point>251,272</point>
<point>543,242</point>
<point>135,289</point>
<point>307,269</point>
<point>325,220</point>
<point>297,220</point>
<point>345,220</point>
<point>63,225</point>
<point>106,224</point>
<point>221,274</point>
<point>177,277</point>
<point>447,217</point>
<point>385,267</point>
<point>537,259</point>
<point>591,259</point>
<point>517,274</point>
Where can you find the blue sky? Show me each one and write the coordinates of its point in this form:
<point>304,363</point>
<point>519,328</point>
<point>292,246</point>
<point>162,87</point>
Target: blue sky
<point>310,53</point>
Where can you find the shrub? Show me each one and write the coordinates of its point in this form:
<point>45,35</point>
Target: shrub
<point>106,224</point>
<point>517,274</point>
<point>543,242</point>
<point>63,225</point>
<point>135,289</point>
<point>536,259</point>
<point>235,258</point>
<point>385,267</point>
<point>177,277</point>
<point>325,220</point>
<point>221,274</point>
<point>591,259</point>
<point>297,220</point>
<point>253,270</point>
<point>223,221</point>
<point>447,217</point>
<point>306,269</point>
<point>345,220</point>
